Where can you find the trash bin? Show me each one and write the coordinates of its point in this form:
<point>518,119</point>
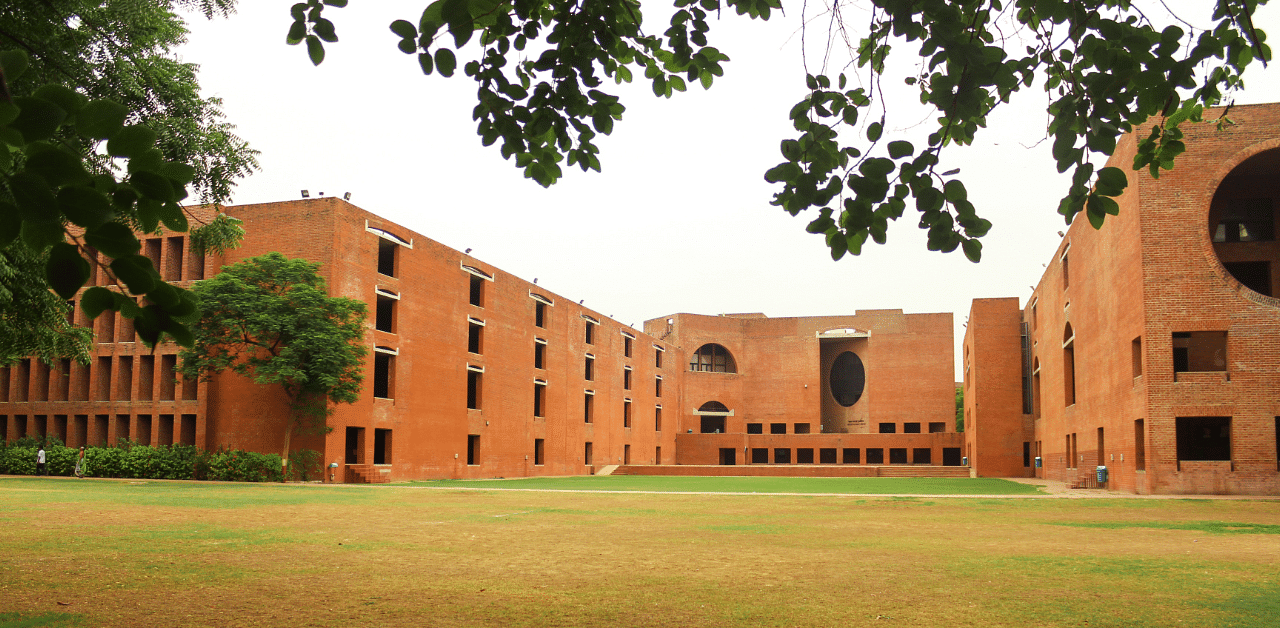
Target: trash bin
<point>1102,475</point>
<point>1039,462</point>
<point>964,462</point>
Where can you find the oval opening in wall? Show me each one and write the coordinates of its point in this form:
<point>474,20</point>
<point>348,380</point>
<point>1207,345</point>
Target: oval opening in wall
<point>848,378</point>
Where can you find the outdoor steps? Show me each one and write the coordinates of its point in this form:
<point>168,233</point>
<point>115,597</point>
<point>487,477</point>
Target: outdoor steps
<point>608,469</point>
<point>799,470</point>
<point>368,474</point>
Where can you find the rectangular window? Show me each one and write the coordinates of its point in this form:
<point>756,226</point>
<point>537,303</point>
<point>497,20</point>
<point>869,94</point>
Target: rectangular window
<point>142,427</point>
<point>804,455</point>
<point>475,336</point>
<point>195,266</point>
<point>1246,220</point>
<point>888,428</point>
<point>476,290</point>
<point>910,428</point>
<point>921,455</point>
<point>473,449</point>
<point>153,246</point>
<point>1069,370</point>
<point>626,413</point>
<point>627,342</point>
<point>387,253</point>
<point>657,357</point>
<point>102,427</point>
<point>1102,448</point>
<point>355,445</point>
<point>173,263</point>
<point>384,319</point>
<point>801,428</point>
<point>107,326</point>
<point>875,455</point>
<point>1199,351</point>
<point>103,391</point>
<point>122,429</point>
<point>1136,350</point>
<point>591,333</point>
<point>146,377</point>
<point>540,314</point>
<point>1204,438</point>
<point>657,387</point>
<point>5,374</point>
<point>539,452</point>
<point>711,425</point>
<point>657,419</point>
<point>755,428</point>
<point>759,455</point>
<point>937,427</point>
<point>539,353</point>
<point>127,333</point>
<point>587,458</point>
<point>187,429</point>
<point>474,388</point>
<point>626,454</point>
<point>1066,275</point>
<point>40,380</point>
<point>1026,454</point>
<point>383,375</point>
<point>851,456</point>
<point>782,455</point>
<point>539,399</point>
<point>898,455</point>
<point>827,455</point>
<point>777,428</point>
<point>589,370</point>
<point>588,406</point>
<point>168,377</point>
<point>626,378</point>
<point>381,446</point>
<point>124,381</point>
<point>190,389</point>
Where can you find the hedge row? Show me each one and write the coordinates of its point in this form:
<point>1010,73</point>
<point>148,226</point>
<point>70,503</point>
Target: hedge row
<point>168,462</point>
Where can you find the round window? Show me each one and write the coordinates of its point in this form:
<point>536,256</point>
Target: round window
<point>848,378</point>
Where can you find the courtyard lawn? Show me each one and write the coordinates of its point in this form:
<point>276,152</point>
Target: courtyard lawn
<point>848,486</point>
<point>137,553</point>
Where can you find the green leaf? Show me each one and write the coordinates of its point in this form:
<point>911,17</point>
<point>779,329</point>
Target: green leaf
<point>58,167</point>
<point>34,198</point>
<point>14,63</point>
<point>173,217</point>
<point>315,50</point>
<point>39,234</point>
<point>954,191</point>
<point>297,32</point>
<point>1111,181</point>
<point>85,206</point>
<point>424,60</point>
<point>457,14</point>
<point>324,30</point>
<point>137,273</point>
<point>874,130</point>
<point>972,250</point>
<point>101,119</point>
<point>10,223</point>
<point>152,185</point>
<point>130,141</point>
<point>149,214</point>
<point>900,148</point>
<point>66,270</point>
<point>446,62</point>
<point>68,99</point>
<point>177,172</point>
<point>96,300</point>
<point>404,29</point>
<point>37,119</point>
<point>115,240</point>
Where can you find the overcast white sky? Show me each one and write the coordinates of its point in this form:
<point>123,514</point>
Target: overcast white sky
<point>678,221</point>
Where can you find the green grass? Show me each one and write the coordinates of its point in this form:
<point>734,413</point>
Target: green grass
<point>1211,527</point>
<point>666,484</point>
<point>42,620</point>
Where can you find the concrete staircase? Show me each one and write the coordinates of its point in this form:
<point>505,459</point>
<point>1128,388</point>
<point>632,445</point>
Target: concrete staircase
<point>798,470</point>
<point>368,474</point>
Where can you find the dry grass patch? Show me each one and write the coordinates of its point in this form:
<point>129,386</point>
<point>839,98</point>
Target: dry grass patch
<point>186,554</point>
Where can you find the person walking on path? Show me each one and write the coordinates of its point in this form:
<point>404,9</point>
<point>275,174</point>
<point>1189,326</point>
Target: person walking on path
<point>40,466</point>
<point>80,464</point>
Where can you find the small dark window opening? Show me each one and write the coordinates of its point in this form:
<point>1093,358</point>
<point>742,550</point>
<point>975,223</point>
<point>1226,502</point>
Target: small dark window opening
<point>712,425</point>
<point>657,358</point>
<point>539,355</point>
<point>385,317</point>
<point>539,399</point>
<point>898,455</point>
<point>910,428</point>
<point>888,428</point>
<point>589,373</point>
<point>591,333</point>
<point>827,455</point>
<point>937,427</point>
<point>383,364</point>
<point>477,290</point>
<point>804,455</point>
<point>1140,445</point>
<point>1204,438</point>
<point>782,455</point>
<point>387,257</point>
<point>1246,220</point>
<point>539,313</point>
<point>777,428</point>
<point>759,455</point>
<point>657,419</point>
<point>657,387</point>
<point>951,457</point>
<point>1069,366</point>
<point>728,455</point>
<point>539,451</point>
<point>851,455</point>
<point>1199,351</point>
<point>1026,454</point>
<point>1136,350</point>
<point>475,338</point>
<point>626,346</point>
<point>1066,275</point>
<point>626,413</point>
<point>800,428</point>
<point>355,445</point>
<point>626,379</point>
<point>588,404</point>
<point>755,428</point>
<point>921,455</point>
<point>381,446</point>
<point>587,457</point>
<point>475,381</point>
<point>473,449</point>
<point>875,455</point>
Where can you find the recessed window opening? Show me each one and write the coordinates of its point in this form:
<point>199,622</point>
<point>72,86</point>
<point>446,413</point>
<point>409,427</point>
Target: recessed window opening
<point>712,358</point>
<point>540,314</point>
<point>910,428</point>
<point>354,445</point>
<point>539,452</point>
<point>875,455</point>
<point>539,353</point>
<point>755,428</point>
<point>804,455</point>
<point>921,455</point>
<point>588,406</point>
<point>657,356</point>
<point>937,427</point>
<point>1199,351</point>
<point>657,392</point>
<point>588,457</point>
<point>801,428</point>
<point>173,259</point>
<point>1069,365</point>
<point>657,419</point>
<point>848,378</point>
<point>1035,388</point>
<point>657,455</point>
<point>473,449</point>
<point>475,336</point>
<point>1066,275</point>
<point>777,428</point>
<point>1026,454</point>
<point>888,428</point>
<point>1139,445</point>
<point>626,378</point>
<point>898,455</point>
<point>827,455</point>
<point>475,387</point>
<point>709,424</point>
<point>476,291</point>
<point>384,318</point>
<point>627,344</point>
<point>1245,220</point>
<point>1136,351</point>
<point>1204,438</point>
<point>539,398</point>
<point>589,368</point>
<point>1035,318</point>
<point>782,455</point>
<point>759,455</point>
<point>850,455</point>
<point>388,251</point>
<point>381,446</point>
<point>626,413</point>
<point>383,374</point>
<point>590,335</point>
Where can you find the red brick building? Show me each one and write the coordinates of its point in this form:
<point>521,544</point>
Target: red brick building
<point>1151,346</point>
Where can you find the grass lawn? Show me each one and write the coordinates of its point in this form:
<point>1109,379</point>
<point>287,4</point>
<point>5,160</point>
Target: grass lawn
<point>121,553</point>
<point>667,484</point>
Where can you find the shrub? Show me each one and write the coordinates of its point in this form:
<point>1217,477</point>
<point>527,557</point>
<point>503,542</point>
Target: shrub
<point>18,460</point>
<point>305,464</point>
<point>244,466</point>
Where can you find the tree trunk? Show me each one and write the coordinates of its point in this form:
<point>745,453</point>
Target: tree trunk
<point>284,457</point>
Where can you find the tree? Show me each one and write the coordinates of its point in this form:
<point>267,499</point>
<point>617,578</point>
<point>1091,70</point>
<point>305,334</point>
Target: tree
<point>102,132</point>
<point>959,408</point>
<point>269,319</point>
<point>1106,66</point>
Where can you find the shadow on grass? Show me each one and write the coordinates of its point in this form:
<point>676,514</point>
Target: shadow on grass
<point>43,620</point>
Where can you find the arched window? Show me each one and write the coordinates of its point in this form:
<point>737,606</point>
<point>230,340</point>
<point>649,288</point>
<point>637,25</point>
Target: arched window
<point>711,417</point>
<point>712,358</point>
<point>713,406</point>
<point>1069,365</point>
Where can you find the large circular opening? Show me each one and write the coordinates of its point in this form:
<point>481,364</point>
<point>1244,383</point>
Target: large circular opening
<point>1243,222</point>
<point>848,378</point>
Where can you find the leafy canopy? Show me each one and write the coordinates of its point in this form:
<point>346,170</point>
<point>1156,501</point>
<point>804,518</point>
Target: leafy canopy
<point>1106,67</point>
